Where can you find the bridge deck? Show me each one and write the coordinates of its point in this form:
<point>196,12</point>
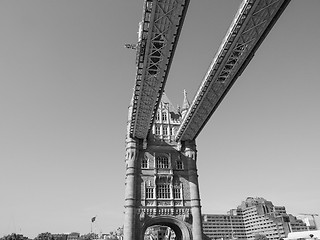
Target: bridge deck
<point>250,26</point>
<point>158,36</point>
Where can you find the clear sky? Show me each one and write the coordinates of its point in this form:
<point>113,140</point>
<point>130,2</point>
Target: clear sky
<point>65,85</point>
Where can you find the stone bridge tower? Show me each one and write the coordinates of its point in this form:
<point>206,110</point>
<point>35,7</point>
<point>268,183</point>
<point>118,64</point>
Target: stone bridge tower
<point>161,179</point>
<point>161,172</point>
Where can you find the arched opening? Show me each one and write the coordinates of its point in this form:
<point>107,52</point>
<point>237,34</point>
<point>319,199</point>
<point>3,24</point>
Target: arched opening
<point>159,232</point>
<point>165,228</point>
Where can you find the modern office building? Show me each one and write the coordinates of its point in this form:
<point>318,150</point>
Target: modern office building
<point>253,217</point>
<point>309,220</point>
<point>224,226</point>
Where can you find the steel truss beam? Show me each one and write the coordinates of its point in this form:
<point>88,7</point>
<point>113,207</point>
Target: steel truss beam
<point>251,25</point>
<point>158,36</point>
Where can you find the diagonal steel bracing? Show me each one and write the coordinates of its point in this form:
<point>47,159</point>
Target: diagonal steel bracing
<point>252,23</point>
<point>158,36</point>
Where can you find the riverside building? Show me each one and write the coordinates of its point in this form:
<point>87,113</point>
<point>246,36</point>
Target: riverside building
<point>253,217</point>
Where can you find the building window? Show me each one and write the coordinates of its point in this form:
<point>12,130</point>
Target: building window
<point>179,165</point>
<point>157,130</point>
<point>165,130</point>
<point>164,117</point>
<point>162,162</point>
<point>158,116</point>
<point>177,192</point>
<point>145,163</point>
<point>163,191</point>
<point>149,192</point>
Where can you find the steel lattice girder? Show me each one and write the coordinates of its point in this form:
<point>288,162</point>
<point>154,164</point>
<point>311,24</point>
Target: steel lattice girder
<point>158,36</point>
<point>251,25</point>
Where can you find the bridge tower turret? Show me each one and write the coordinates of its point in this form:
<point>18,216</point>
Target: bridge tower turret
<point>161,179</point>
<point>185,105</point>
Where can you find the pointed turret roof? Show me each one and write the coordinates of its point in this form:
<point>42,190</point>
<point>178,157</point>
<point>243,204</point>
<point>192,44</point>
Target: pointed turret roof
<point>166,100</point>
<point>174,113</point>
<point>185,105</point>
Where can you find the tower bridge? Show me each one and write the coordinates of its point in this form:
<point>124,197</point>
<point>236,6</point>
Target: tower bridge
<point>161,173</point>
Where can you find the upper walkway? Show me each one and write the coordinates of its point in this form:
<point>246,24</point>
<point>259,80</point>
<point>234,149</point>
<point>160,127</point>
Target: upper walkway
<point>158,37</point>
<point>249,28</point>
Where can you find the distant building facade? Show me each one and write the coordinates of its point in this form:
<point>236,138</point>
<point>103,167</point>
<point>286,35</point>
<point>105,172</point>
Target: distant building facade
<point>309,220</point>
<point>255,216</point>
<point>224,226</point>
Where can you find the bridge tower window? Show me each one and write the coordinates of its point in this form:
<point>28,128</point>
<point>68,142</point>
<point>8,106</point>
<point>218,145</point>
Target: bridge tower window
<point>177,192</point>
<point>162,162</point>
<point>164,117</point>
<point>179,165</point>
<point>165,130</point>
<point>163,190</point>
<point>149,192</point>
<point>171,131</point>
<point>145,163</point>
<point>157,130</point>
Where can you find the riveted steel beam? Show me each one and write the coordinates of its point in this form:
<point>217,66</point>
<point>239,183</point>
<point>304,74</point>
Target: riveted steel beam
<point>252,23</point>
<point>158,37</point>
